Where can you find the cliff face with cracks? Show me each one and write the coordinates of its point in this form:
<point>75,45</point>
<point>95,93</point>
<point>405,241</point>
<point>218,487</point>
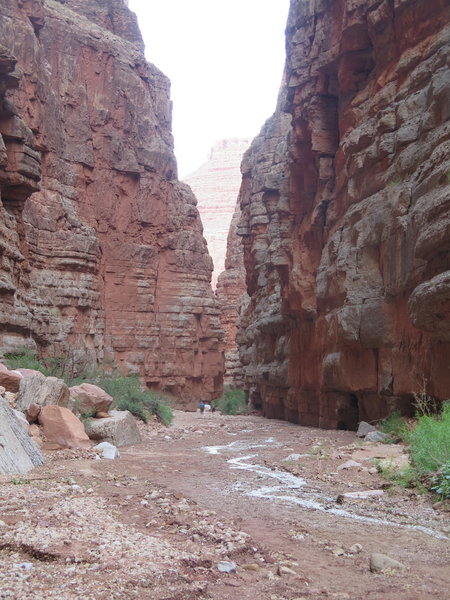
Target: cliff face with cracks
<point>347,234</point>
<point>102,249</point>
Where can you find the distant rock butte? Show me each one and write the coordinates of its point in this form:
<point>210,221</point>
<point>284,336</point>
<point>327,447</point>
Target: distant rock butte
<point>103,256</point>
<point>346,217</point>
<point>216,186</point>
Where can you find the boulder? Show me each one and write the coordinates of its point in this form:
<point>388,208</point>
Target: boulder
<point>18,452</point>
<point>61,426</point>
<point>364,428</point>
<point>119,429</point>
<point>88,397</point>
<point>380,562</point>
<point>21,418</point>
<point>28,372</point>
<point>377,436</point>
<point>42,390</point>
<point>10,380</point>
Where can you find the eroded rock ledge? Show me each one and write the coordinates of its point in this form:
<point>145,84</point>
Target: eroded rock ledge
<point>102,248</point>
<point>347,233</point>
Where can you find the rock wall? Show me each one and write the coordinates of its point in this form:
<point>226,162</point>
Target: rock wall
<point>233,299</point>
<point>347,234</point>
<point>216,187</point>
<point>104,259</point>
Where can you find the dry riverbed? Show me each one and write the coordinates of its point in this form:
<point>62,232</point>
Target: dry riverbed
<point>266,497</point>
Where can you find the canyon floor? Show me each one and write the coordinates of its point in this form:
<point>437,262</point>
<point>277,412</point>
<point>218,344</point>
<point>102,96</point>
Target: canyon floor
<point>212,490</point>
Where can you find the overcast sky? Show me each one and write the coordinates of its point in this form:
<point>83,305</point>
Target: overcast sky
<point>225,61</point>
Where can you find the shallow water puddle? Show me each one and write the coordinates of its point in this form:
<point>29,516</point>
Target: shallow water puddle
<point>295,490</point>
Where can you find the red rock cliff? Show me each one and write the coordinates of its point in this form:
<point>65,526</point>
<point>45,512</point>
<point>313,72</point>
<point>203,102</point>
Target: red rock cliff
<point>347,233</point>
<point>106,258</point>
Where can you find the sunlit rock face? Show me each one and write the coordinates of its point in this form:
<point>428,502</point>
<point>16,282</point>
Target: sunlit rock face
<point>216,186</point>
<point>103,256</point>
<point>347,233</point>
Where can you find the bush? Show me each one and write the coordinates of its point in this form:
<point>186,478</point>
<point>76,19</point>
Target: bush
<point>232,402</point>
<point>128,395</point>
<point>441,483</point>
<point>395,426</point>
<point>429,442</point>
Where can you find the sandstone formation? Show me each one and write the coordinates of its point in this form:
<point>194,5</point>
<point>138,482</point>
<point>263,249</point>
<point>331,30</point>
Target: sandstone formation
<point>61,426</point>
<point>18,452</point>
<point>233,298</point>
<point>102,256</point>
<point>216,187</point>
<point>41,390</point>
<point>88,397</point>
<point>120,429</point>
<point>347,233</point>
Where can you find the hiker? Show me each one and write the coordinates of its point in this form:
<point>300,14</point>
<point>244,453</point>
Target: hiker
<point>202,407</point>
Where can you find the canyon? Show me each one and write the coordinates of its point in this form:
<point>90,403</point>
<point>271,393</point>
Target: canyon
<point>334,303</point>
<point>346,217</point>
<point>103,258</point>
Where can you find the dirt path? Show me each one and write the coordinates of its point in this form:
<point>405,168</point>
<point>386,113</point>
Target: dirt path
<point>156,523</point>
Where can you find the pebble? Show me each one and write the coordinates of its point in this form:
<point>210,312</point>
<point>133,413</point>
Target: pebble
<point>356,548</point>
<point>226,566</point>
<point>26,566</point>
<point>350,464</point>
<point>251,567</point>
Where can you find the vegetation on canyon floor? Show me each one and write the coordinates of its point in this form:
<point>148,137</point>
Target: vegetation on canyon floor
<point>427,438</point>
<point>232,402</point>
<point>126,391</point>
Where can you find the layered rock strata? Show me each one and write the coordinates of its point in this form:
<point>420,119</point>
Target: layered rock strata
<point>102,250</point>
<point>347,235</point>
<point>216,186</point>
<point>232,295</point>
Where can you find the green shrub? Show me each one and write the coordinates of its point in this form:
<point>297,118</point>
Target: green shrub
<point>25,359</point>
<point>405,476</point>
<point>128,395</point>
<point>429,442</point>
<point>395,427</point>
<point>232,402</point>
<point>441,483</point>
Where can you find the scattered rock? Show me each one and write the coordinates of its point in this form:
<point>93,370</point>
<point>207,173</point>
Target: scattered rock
<point>250,567</point>
<point>283,570</point>
<point>119,429</point>
<point>363,495</point>
<point>61,426</point>
<point>350,464</point>
<point>87,397</point>
<point>376,436</point>
<point>364,428</point>
<point>226,566</point>
<point>108,450</point>
<point>380,562</point>
<point>18,452</point>
<point>355,549</point>
<point>9,380</point>
<point>38,389</point>
<point>293,457</point>
<point>339,552</point>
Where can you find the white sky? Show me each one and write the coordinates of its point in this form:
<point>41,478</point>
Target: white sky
<point>225,61</point>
